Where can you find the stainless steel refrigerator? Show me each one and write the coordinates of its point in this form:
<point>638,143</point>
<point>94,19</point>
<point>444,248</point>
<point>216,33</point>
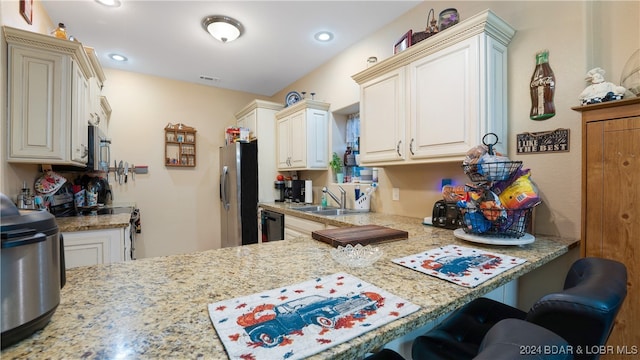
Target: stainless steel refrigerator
<point>239,194</point>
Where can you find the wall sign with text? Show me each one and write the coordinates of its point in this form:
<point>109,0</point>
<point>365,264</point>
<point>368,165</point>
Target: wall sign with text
<point>543,142</point>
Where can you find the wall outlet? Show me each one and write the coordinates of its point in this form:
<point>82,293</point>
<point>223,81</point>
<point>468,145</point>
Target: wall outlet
<point>395,194</point>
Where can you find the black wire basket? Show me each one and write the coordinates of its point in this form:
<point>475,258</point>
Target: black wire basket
<point>491,171</point>
<point>503,223</point>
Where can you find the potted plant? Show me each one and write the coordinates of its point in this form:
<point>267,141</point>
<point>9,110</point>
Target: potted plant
<point>336,166</point>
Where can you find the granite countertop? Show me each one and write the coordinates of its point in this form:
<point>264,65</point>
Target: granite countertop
<point>157,307</point>
<point>98,222</point>
<point>92,222</point>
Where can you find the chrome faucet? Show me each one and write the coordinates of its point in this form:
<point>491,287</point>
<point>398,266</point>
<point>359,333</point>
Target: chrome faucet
<point>342,202</point>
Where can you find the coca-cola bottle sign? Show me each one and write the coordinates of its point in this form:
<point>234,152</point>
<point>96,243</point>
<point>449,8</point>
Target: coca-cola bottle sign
<point>542,88</point>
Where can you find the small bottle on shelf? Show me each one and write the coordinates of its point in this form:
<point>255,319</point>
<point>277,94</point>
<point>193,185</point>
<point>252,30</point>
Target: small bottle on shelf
<point>60,32</point>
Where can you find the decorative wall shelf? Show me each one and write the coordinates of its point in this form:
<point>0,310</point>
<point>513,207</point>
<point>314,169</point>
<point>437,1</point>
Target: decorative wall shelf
<point>179,145</point>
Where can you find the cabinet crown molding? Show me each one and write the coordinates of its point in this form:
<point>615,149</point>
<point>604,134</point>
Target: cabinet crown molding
<point>302,104</point>
<point>485,22</point>
<point>32,39</point>
<point>95,64</point>
<point>262,104</point>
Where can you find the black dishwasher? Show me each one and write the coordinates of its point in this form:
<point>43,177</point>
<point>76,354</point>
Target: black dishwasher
<point>272,226</point>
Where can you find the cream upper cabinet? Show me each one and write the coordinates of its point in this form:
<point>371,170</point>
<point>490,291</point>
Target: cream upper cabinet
<point>303,136</point>
<point>259,117</point>
<point>96,82</point>
<point>386,131</point>
<point>80,116</point>
<point>435,100</point>
<point>48,99</point>
<point>104,114</point>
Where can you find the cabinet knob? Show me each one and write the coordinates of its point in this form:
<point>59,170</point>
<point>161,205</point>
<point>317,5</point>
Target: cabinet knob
<point>398,148</point>
<point>411,146</point>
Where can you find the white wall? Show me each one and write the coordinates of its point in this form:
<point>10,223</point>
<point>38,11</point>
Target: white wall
<point>180,207</point>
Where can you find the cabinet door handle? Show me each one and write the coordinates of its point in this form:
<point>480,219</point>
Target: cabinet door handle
<point>411,146</point>
<point>398,148</point>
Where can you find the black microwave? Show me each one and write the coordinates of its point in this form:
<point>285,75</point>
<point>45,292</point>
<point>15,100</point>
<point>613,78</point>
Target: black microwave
<point>99,156</point>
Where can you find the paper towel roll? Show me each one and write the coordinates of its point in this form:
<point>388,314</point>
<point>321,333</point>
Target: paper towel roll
<point>308,192</point>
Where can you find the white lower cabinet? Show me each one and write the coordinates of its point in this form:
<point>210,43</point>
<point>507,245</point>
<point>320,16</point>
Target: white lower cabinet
<point>92,247</point>
<point>295,227</point>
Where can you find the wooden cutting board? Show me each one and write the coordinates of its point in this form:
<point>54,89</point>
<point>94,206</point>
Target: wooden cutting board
<point>365,234</point>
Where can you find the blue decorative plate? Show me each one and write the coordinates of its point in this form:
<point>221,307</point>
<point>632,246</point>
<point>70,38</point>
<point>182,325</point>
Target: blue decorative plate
<point>292,98</point>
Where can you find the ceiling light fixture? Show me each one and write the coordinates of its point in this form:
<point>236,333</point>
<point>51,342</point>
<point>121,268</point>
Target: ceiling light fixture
<point>109,3</point>
<point>118,57</point>
<point>222,27</point>
<point>323,36</point>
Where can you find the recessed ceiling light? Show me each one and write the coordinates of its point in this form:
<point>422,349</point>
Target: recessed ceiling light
<point>323,36</point>
<point>118,57</point>
<point>109,3</point>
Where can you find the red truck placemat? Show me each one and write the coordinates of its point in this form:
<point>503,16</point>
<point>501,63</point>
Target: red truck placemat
<point>461,265</point>
<point>300,320</point>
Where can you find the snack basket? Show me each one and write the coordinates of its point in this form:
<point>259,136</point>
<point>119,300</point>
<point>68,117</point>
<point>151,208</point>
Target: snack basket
<point>486,215</point>
<point>504,223</point>
<point>491,171</point>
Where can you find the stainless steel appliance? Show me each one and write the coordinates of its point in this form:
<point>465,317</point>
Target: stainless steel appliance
<point>99,150</point>
<point>239,194</point>
<point>297,191</point>
<point>32,270</point>
<point>294,191</point>
<point>446,215</point>
<point>280,190</point>
<point>272,226</point>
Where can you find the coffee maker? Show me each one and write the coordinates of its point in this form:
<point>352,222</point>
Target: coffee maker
<point>294,191</point>
<point>280,190</point>
<point>297,191</point>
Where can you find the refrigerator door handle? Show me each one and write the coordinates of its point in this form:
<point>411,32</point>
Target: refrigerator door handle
<point>223,188</point>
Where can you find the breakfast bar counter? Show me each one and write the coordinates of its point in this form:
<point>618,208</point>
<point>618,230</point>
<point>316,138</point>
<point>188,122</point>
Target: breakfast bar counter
<point>158,307</point>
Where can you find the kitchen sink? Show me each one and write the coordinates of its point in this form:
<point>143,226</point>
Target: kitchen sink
<point>312,208</point>
<point>334,212</point>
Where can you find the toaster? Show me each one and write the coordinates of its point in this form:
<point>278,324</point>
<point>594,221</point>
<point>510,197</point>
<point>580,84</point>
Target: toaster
<point>446,215</point>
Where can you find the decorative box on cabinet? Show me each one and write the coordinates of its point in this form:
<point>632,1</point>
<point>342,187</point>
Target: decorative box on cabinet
<point>179,145</point>
<point>48,99</point>
<point>435,100</point>
<point>610,194</point>
<point>302,133</point>
<point>259,117</point>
